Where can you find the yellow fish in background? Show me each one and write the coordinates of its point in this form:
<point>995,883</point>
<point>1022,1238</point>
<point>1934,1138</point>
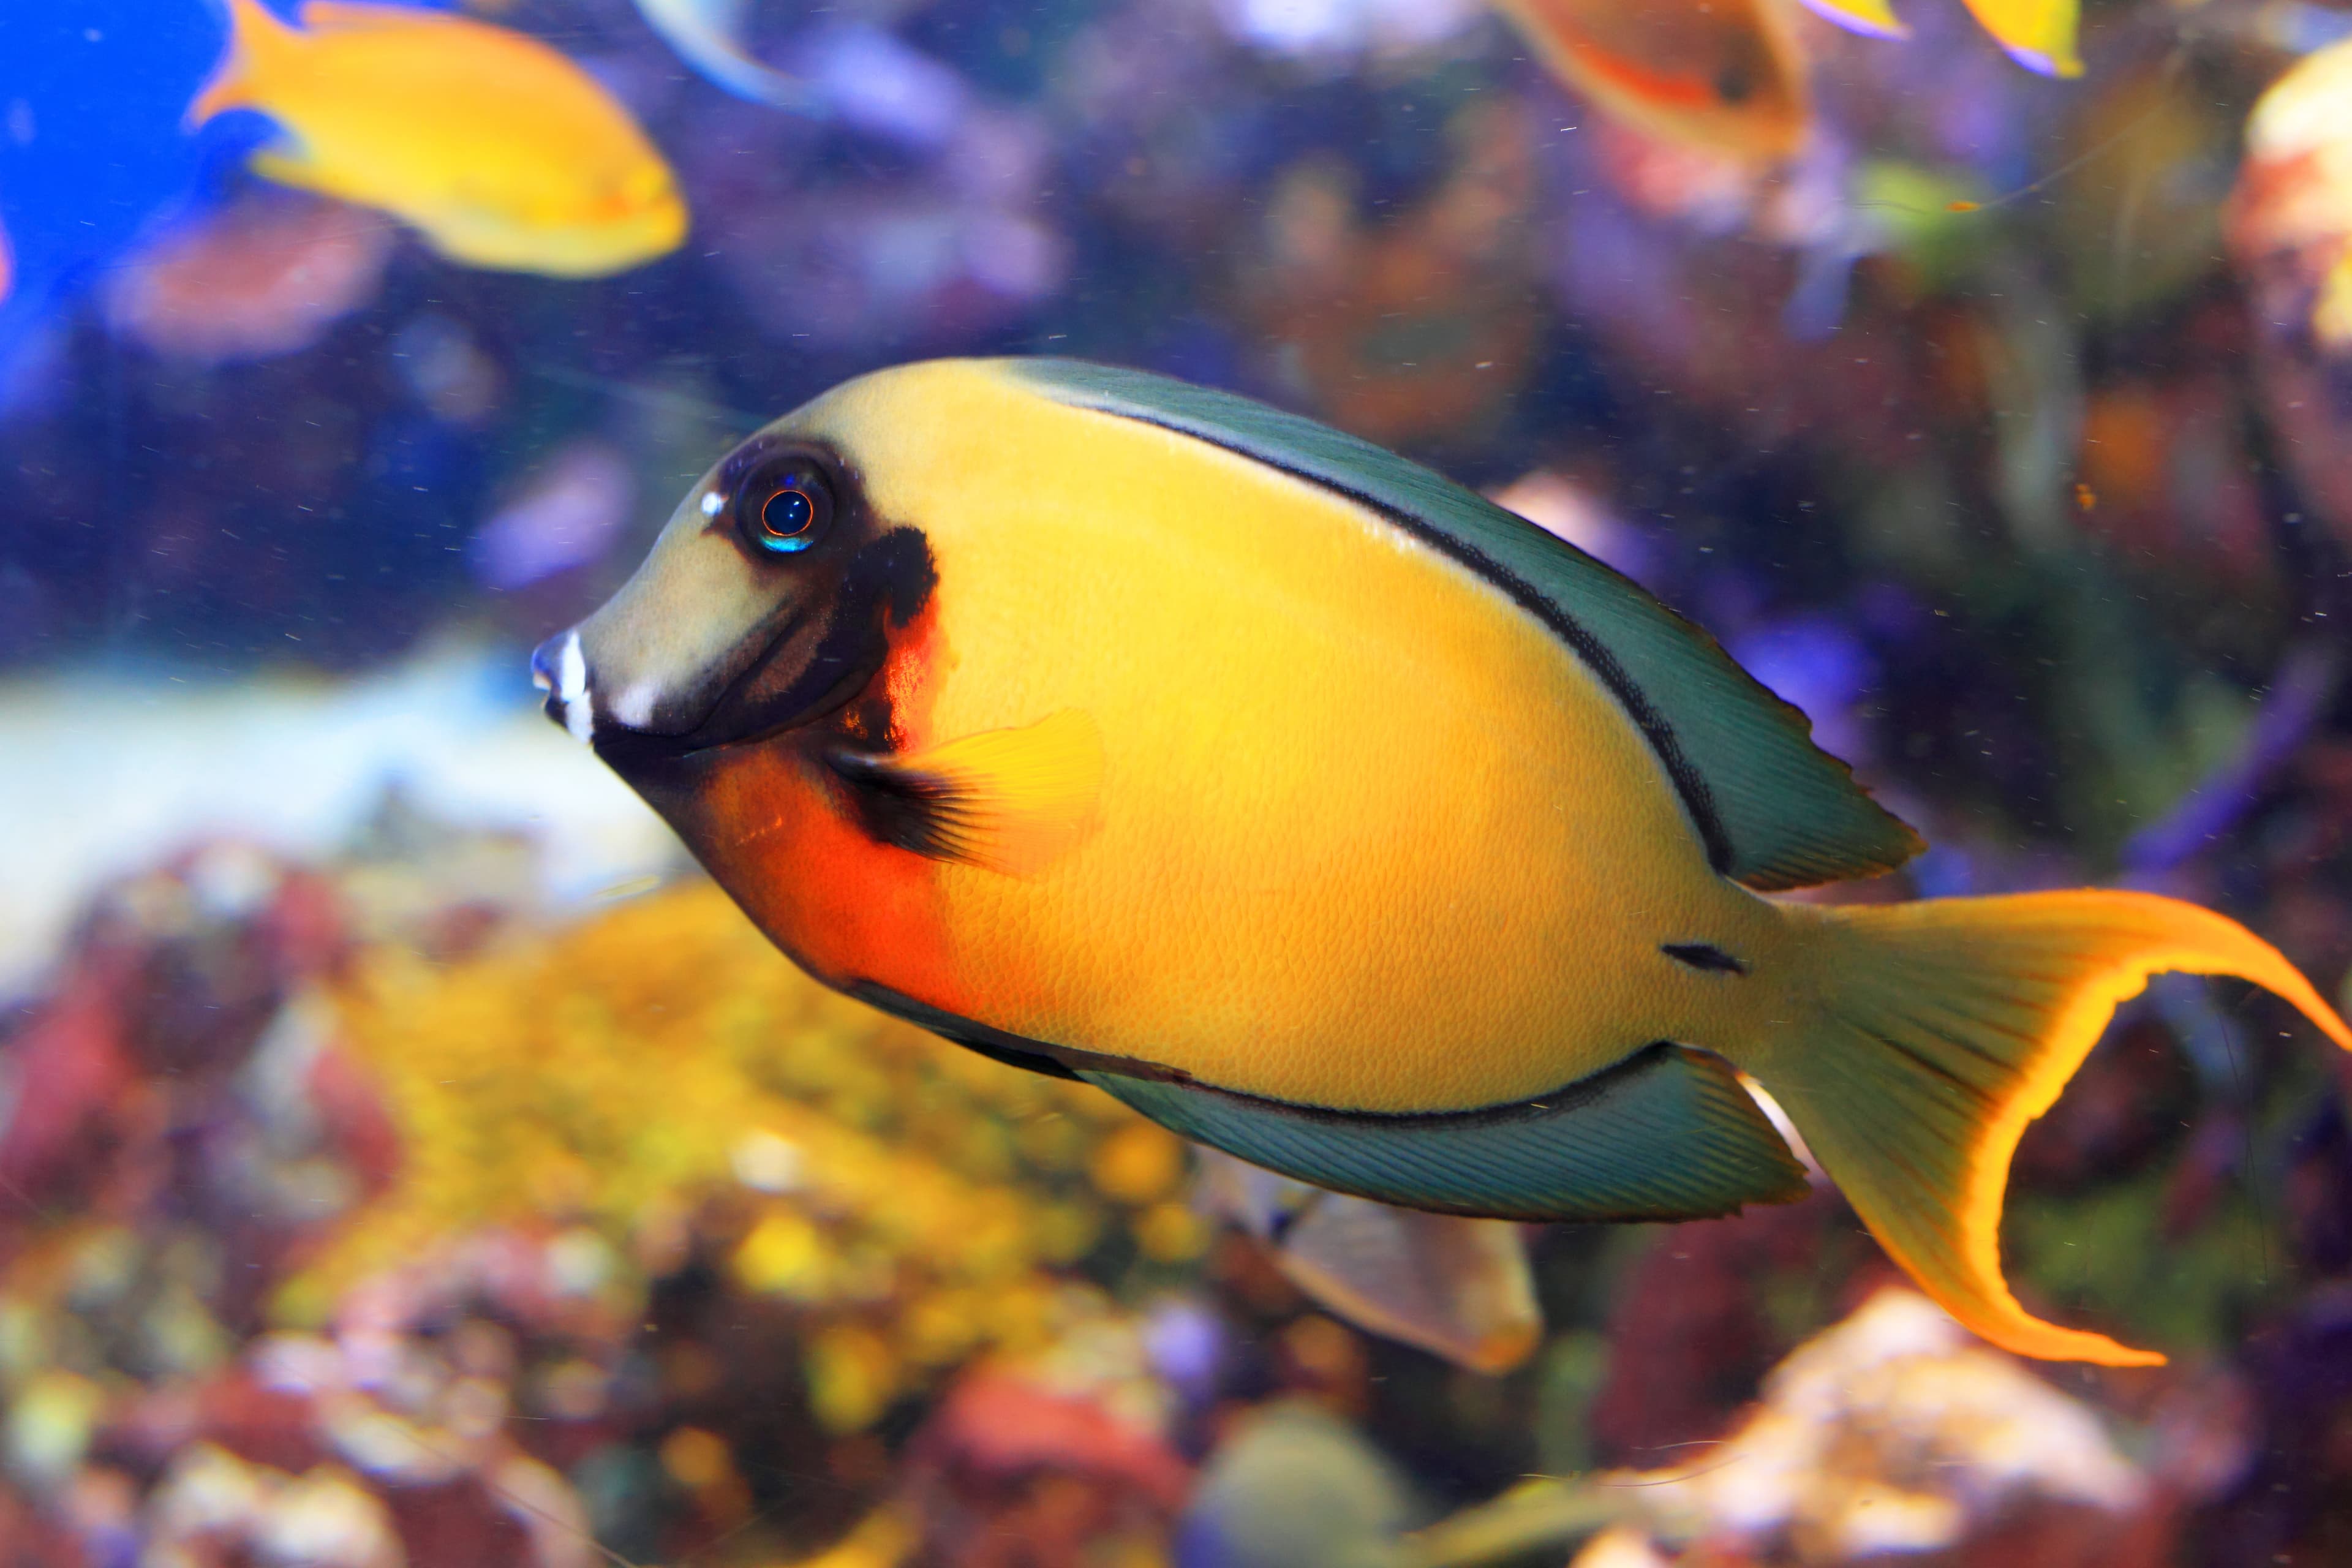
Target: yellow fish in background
<point>1724,75</point>
<point>1333,816</point>
<point>498,149</point>
<point>2038,33</point>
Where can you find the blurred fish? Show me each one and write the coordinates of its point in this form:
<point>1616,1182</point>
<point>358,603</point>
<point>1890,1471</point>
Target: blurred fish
<point>853,72</point>
<point>500,150</point>
<point>569,517</point>
<point>1872,18</point>
<point>2290,220</point>
<point>1333,816</point>
<point>2294,27</point>
<point>1296,1487</point>
<point>2288,228</point>
<point>2038,33</point>
<point>877,82</point>
<point>1459,1288</point>
<point>255,279</point>
<point>1724,75</point>
<point>1417,321</point>
<point>708,35</point>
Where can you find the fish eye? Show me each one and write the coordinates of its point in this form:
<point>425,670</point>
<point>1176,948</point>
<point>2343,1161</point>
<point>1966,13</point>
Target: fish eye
<point>785,510</point>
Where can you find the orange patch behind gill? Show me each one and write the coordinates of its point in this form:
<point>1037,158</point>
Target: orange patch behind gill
<point>793,851</point>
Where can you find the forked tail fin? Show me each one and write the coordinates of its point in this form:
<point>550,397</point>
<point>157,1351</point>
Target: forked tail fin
<point>1934,1032</point>
<point>258,40</point>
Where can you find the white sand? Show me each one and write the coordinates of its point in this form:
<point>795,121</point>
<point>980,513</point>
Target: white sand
<point>106,772</point>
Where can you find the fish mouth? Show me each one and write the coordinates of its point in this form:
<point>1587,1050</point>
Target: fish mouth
<point>561,668</point>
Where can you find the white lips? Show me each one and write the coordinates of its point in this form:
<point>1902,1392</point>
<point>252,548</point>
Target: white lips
<point>572,690</point>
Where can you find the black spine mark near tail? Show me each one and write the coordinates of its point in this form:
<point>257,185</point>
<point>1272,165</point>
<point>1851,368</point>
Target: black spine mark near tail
<point>1704,956</point>
<point>1697,798</point>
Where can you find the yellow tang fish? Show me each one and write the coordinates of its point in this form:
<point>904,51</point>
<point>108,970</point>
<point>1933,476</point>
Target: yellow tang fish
<point>2038,33</point>
<point>501,150</point>
<point>1333,816</point>
<point>1724,75</point>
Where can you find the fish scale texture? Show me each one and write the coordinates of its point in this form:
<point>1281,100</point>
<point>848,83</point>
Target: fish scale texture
<point>1785,813</point>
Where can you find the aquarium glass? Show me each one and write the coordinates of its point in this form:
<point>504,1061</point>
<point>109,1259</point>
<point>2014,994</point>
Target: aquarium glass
<point>1386,891</point>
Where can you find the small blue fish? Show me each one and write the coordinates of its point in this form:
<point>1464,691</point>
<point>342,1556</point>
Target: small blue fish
<point>708,35</point>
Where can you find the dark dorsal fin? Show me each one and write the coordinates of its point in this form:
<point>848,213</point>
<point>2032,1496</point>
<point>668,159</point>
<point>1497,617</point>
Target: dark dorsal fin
<point>1774,810</point>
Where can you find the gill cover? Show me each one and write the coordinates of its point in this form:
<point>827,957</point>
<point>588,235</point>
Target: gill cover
<point>766,601</point>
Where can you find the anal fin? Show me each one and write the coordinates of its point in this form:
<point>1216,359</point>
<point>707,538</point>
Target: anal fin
<point>1665,1134</point>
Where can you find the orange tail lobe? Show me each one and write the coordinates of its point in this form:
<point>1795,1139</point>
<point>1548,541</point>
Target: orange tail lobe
<point>1934,1032</point>
<point>258,39</point>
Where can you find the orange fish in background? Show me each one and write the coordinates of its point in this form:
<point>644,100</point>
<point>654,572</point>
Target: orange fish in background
<point>1418,325</point>
<point>1724,75</point>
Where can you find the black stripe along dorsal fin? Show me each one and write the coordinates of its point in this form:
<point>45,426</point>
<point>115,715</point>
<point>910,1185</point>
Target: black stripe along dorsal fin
<point>1774,810</point>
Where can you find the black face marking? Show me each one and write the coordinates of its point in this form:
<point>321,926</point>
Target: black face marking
<point>875,591</point>
<point>879,589</point>
<point>899,572</point>
<point>1705,957</point>
<point>1697,797</point>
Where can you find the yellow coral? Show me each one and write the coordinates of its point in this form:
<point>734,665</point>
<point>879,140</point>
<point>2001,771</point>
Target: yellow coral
<point>911,1193</point>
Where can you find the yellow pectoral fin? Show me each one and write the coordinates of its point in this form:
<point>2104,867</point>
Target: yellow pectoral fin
<point>1014,800</point>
